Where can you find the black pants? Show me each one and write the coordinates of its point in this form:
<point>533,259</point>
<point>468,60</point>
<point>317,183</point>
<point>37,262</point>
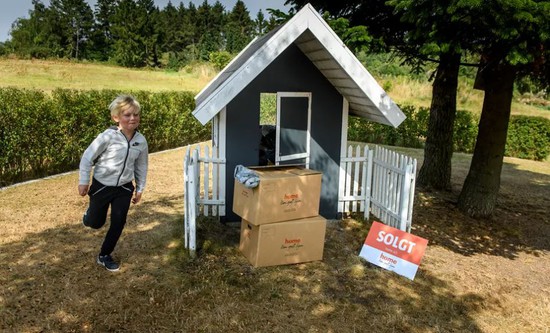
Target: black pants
<point>101,197</point>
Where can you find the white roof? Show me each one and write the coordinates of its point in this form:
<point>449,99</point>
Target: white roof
<point>327,52</point>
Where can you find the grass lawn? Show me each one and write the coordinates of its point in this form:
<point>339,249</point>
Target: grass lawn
<point>48,75</point>
<point>413,92</point>
<point>477,275</point>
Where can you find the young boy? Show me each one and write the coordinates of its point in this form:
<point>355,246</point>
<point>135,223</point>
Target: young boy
<point>118,156</point>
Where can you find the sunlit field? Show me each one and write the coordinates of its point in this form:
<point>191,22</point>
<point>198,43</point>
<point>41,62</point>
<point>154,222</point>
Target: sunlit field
<point>48,75</point>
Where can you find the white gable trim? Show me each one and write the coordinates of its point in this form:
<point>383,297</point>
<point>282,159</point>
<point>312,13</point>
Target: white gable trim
<point>250,69</point>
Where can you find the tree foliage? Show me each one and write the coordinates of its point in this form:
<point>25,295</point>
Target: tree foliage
<point>239,28</point>
<point>134,33</point>
<point>72,24</point>
<point>102,36</point>
<point>36,36</point>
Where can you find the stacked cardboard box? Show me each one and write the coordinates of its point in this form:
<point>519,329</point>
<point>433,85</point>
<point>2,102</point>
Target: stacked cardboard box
<point>280,217</point>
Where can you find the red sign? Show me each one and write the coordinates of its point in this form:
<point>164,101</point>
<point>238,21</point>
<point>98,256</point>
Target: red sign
<point>394,249</point>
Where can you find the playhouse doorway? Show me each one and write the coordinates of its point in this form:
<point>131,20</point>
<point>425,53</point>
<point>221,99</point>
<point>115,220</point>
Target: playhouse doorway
<point>293,128</point>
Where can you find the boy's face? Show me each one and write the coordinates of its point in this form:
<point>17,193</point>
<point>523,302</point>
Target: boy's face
<point>128,119</point>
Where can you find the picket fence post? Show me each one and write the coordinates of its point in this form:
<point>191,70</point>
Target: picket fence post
<point>190,197</point>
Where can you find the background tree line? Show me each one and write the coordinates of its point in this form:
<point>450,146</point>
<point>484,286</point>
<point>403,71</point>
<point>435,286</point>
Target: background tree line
<point>134,33</point>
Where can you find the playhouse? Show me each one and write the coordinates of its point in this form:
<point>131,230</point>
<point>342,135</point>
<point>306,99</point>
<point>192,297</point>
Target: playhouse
<point>318,83</point>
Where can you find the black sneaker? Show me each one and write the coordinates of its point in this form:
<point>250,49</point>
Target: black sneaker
<point>84,219</point>
<point>108,262</point>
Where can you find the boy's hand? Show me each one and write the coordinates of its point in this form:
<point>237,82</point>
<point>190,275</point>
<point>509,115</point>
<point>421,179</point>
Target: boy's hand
<point>136,198</point>
<point>83,189</point>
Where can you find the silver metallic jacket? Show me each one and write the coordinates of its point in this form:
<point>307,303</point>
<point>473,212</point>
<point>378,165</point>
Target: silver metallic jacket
<point>116,160</point>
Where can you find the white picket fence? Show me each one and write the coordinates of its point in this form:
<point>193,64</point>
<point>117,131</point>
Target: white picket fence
<point>377,181</point>
<point>381,179</point>
<point>203,195</point>
<point>354,192</point>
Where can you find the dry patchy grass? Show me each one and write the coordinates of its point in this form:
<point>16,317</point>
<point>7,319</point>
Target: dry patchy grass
<point>48,75</point>
<point>477,275</point>
<point>409,91</point>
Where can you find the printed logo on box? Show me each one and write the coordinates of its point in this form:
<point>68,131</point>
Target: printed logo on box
<point>290,202</point>
<point>290,199</point>
<point>294,243</point>
<point>393,249</point>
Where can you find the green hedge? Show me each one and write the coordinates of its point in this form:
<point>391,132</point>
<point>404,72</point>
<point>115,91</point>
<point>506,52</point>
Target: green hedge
<point>465,131</point>
<point>43,134</point>
<point>528,137</point>
<point>411,133</point>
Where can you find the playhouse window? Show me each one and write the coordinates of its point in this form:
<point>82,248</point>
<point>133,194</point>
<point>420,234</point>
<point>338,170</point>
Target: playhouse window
<point>268,122</point>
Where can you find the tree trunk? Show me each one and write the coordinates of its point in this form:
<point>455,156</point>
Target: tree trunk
<point>438,150</point>
<point>480,190</point>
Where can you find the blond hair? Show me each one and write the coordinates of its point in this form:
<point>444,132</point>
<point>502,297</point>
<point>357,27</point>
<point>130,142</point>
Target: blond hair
<point>124,102</point>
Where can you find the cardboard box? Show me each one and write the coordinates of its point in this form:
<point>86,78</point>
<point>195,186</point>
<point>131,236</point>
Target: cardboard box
<point>282,243</point>
<point>283,193</point>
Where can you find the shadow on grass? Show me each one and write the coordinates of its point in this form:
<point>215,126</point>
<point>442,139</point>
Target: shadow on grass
<point>50,282</point>
<point>521,221</point>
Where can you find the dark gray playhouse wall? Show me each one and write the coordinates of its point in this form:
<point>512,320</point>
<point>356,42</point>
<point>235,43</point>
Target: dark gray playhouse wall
<point>292,71</point>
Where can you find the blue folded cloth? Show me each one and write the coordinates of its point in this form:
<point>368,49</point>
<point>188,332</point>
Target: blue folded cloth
<point>247,177</point>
